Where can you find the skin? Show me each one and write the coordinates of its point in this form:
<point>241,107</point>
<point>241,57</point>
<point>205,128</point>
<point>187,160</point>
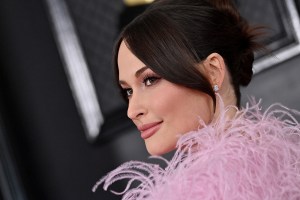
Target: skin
<point>173,109</point>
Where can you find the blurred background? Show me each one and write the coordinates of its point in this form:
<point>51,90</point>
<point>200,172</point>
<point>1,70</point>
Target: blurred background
<point>63,124</point>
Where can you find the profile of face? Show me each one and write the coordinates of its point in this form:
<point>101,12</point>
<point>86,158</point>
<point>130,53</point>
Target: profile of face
<point>161,110</point>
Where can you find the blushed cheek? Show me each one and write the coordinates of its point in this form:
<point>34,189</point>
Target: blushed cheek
<point>163,104</point>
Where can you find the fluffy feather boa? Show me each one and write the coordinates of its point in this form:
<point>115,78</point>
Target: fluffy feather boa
<point>254,156</point>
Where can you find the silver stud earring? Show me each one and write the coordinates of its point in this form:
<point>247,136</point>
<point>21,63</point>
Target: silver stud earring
<point>216,88</point>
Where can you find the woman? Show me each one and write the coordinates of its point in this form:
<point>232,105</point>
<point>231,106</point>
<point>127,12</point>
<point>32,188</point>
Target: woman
<point>180,65</point>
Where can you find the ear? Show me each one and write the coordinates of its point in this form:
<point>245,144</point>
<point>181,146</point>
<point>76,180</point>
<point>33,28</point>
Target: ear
<point>215,68</point>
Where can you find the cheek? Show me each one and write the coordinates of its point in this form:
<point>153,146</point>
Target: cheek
<point>180,106</point>
<point>186,110</point>
<point>164,101</point>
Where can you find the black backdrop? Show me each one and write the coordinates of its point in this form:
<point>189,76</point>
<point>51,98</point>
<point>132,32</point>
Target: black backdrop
<point>53,158</point>
<point>42,127</point>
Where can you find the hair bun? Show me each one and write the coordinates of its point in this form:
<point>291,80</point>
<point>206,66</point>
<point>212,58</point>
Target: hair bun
<point>245,71</point>
<point>248,44</point>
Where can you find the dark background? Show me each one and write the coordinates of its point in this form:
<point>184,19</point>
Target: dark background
<point>44,151</point>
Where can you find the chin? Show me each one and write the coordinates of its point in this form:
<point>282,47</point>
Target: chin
<point>158,151</point>
<point>154,151</point>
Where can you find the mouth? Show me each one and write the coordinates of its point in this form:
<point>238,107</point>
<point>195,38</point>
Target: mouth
<point>150,129</point>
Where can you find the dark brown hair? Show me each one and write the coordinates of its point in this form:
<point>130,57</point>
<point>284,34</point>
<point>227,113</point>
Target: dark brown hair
<point>172,36</point>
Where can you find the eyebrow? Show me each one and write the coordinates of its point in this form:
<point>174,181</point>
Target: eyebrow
<point>140,71</point>
<point>137,74</point>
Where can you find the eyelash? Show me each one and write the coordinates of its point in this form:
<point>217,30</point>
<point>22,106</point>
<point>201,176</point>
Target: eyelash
<point>150,77</point>
<point>148,80</point>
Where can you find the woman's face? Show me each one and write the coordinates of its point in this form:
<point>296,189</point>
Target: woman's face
<point>161,110</point>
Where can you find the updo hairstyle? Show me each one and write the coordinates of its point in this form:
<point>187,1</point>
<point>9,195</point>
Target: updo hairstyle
<point>172,36</point>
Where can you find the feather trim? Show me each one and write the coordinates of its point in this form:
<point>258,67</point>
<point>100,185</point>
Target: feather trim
<point>254,156</point>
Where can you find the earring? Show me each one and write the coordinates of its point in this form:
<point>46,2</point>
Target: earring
<point>216,88</point>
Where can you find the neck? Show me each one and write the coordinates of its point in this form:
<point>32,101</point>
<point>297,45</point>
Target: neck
<point>226,98</point>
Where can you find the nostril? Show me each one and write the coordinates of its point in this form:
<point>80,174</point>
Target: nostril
<point>140,114</point>
<point>135,111</point>
<point>134,115</point>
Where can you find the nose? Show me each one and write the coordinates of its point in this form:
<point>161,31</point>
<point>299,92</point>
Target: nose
<point>136,108</point>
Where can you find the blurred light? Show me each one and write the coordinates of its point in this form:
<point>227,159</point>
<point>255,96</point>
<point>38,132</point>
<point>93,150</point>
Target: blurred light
<point>137,2</point>
<point>76,68</point>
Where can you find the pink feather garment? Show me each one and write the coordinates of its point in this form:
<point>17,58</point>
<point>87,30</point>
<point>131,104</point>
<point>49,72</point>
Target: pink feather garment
<point>255,156</point>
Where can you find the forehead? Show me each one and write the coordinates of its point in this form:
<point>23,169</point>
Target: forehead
<point>123,52</point>
<point>128,63</point>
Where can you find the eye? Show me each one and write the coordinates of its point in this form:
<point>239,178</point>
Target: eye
<point>127,92</point>
<point>150,80</point>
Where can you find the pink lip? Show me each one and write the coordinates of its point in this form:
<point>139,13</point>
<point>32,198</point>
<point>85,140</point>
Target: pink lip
<point>148,130</point>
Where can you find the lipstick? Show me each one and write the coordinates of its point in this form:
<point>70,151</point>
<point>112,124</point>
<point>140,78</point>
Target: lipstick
<point>147,130</point>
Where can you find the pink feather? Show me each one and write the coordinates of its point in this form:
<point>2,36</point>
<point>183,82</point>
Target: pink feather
<point>254,156</point>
